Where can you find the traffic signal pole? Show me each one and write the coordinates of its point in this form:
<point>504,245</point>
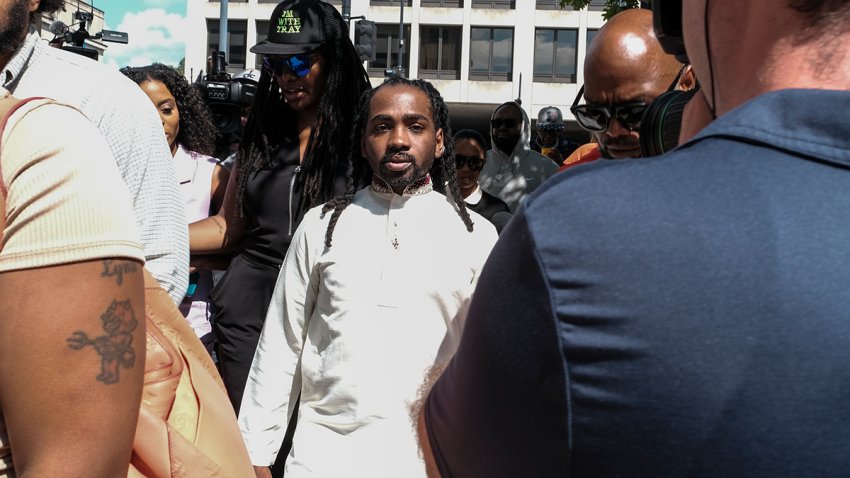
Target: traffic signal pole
<point>346,13</point>
<point>401,38</point>
<point>222,30</point>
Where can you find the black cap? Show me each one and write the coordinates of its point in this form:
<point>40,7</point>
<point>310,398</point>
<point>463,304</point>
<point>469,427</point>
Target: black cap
<point>299,26</point>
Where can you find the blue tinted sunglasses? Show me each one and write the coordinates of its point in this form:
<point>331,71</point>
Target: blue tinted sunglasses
<point>298,64</point>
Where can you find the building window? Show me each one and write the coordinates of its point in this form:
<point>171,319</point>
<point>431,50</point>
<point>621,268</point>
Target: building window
<point>262,34</point>
<point>443,3</point>
<point>389,3</point>
<point>500,4</point>
<point>386,49</point>
<point>597,5</point>
<point>237,31</point>
<point>551,5</point>
<point>591,34</point>
<point>555,55</point>
<point>439,52</point>
<point>491,54</point>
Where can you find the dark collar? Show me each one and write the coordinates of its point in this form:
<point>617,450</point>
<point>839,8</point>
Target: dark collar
<point>813,123</point>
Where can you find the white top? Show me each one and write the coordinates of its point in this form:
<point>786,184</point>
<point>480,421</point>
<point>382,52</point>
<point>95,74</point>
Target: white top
<point>474,197</point>
<point>354,329</point>
<point>132,128</point>
<point>195,173</point>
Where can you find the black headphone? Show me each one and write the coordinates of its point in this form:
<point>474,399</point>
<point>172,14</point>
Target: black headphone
<point>667,22</point>
<point>661,122</point>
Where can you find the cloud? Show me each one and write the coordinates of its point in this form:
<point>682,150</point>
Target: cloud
<point>155,36</point>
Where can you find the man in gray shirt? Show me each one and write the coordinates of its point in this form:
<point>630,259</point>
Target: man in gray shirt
<point>125,117</point>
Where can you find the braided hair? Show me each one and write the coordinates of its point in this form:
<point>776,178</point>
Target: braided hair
<point>443,166</point>
<point>271,118</point>
<point>197,132</point>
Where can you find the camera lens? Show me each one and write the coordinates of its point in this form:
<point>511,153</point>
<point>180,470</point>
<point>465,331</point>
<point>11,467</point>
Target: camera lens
<point>662,121</point>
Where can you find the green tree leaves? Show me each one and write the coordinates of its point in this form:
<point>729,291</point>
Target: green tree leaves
<point>612,7</point>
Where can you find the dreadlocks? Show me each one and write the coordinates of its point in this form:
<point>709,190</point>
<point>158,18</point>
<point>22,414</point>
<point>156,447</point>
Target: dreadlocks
<point>197,131</point>
<point>271,118</point>
<point>443,167</point>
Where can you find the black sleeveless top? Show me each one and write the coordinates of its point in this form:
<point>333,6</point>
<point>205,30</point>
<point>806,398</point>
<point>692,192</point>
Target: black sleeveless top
<point>273,205</point>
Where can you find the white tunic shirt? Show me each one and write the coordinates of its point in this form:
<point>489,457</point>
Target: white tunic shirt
<point>354,329</point>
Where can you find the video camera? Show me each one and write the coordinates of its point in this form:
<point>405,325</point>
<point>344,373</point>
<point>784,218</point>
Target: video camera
<point>662,121</point>
<point>225,96</point>
<point>74,41</point>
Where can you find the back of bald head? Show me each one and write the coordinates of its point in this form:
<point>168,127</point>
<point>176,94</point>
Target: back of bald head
<point>626,46</point>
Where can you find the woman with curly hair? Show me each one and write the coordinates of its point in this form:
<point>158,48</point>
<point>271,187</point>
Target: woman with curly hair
<point>292,157</point>
<point>191,135</point>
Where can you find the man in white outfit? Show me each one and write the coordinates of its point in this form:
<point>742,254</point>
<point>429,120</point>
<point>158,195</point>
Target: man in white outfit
<point>369,297</point>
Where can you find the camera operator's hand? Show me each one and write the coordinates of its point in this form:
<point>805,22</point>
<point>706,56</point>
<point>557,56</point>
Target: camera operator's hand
<point>696,116</point>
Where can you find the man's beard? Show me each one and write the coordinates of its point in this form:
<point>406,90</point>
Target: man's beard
<point>408,177</point>
<point>628,142</point>
<point>12,30</point>
<point>506,144</point>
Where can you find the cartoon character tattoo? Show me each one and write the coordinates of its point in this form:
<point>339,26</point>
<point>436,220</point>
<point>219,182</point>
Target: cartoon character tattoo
<point>116,348</point>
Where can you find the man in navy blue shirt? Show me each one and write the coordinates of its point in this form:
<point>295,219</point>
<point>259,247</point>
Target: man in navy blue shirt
<point>690,315</point>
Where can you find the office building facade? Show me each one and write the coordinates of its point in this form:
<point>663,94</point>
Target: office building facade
<point>478,53</point>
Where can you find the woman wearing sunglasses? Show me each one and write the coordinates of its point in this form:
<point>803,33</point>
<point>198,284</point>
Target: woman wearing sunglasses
<point>292,157</point>
<point>469,151</point>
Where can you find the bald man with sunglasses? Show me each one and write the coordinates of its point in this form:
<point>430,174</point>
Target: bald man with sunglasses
<point>624,71</point>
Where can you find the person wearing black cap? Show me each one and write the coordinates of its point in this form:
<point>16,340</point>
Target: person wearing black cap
<point>291,158</point>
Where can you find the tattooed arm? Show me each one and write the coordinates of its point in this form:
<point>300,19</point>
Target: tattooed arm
<point>71,403</point>
<point>72,335</point>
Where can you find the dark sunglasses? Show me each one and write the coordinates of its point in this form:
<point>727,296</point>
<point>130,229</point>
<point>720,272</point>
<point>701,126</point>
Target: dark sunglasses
<point>475,163</point>
<point>509,123</point>
<point>298,64</point>
<point>597,118</point>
